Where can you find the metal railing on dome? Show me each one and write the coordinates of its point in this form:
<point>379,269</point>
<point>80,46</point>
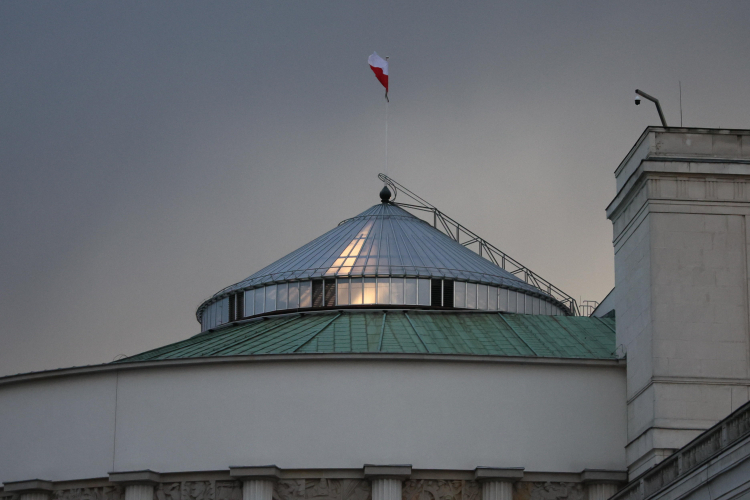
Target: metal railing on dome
<point>456,230</point>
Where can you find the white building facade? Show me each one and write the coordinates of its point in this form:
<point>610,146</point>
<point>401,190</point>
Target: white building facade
<point>437,386</point>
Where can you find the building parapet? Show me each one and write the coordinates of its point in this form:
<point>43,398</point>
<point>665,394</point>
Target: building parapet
<point>692,456</point>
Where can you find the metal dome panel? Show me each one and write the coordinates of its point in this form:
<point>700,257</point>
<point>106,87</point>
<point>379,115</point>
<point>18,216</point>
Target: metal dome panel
<point>384,240</point>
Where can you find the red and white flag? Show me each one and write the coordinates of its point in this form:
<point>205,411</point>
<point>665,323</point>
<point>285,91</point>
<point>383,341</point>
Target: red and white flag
<point>379,66</point>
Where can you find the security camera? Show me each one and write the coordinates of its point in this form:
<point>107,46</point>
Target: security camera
<point>637,99</point>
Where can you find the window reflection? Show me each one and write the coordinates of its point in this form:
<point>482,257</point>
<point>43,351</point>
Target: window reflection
<point>397,290</point>
<point>493,299</point>
<point>423,292</point>
<point>410,291</point>
<point>355,289</point>
<point>384,290</point>
<point>471,295</point>
<point>293,295</point>
<point>249,302</point>
<point>460,294</point>
<point>502,299</point>
<point>347,259</point>
<point>482,297</point>
<point>270,298</point>
<point>305,294</point>
<point>282,296</point>
<point>369,292</point>
<point>342,294</point>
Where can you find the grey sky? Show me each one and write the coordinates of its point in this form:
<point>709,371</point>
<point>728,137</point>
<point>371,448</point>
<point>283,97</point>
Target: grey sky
<point>155,152</point>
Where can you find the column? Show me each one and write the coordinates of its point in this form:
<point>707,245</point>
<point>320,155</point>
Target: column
<point>387,480</point>
<point>497,484</point>
<point>139,485</point>
<point>35,489</point>
<point>602,484</point>
<point>257,482</point>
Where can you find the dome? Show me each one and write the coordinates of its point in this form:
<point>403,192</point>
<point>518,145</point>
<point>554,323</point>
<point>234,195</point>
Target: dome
<point>384,256</point>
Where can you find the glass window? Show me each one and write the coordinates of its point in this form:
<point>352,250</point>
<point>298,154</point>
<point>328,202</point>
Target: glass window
<point>317,293</point>
<point>355,289</point>
<point>270,298</point>
<point>240,312</point>
<point>212,315</point>
<point>410,291</point>
<point>260,300</point>
<point>282,296</point>
<point>249,300</point>
<point>492,300</point>
<point>482,297</point>
<point>436,292</point>
<point>459,297</point>
<point>471,295</point>
<point>342,293</point>
<point>423,292</point>
<point>397,290</point>
<point>369,296</point>
<point>448,295</point>
<point>225,310</point>
<point>329,293</point>
<point>294,295</point>
<point>305,294</point>
<point>502,299</point>
<point>384,290</point>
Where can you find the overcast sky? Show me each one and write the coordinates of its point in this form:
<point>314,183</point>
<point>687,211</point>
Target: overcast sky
<point>153,153</point>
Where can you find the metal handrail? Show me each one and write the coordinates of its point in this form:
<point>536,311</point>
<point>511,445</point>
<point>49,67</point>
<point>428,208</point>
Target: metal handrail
<point>454,229</point>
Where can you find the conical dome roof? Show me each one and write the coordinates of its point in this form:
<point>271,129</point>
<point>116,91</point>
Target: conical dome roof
<point>384,240</point>
<point>383,256</point>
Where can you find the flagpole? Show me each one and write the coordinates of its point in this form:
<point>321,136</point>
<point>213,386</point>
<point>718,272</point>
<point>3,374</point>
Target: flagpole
<point>386,128</point>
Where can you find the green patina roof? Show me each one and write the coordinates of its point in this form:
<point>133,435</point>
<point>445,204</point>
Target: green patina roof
<point>476,333</point>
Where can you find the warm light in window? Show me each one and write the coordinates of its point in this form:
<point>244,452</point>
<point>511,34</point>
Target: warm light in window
<point>343,265</point>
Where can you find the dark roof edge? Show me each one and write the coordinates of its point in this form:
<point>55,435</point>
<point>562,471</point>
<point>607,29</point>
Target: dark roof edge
<point>259,358</point>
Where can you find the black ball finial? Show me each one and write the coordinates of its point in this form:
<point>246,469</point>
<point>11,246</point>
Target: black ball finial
<point>385,194</point>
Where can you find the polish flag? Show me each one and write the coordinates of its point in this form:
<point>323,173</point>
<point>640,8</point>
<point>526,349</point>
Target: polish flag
<point>379,66</point>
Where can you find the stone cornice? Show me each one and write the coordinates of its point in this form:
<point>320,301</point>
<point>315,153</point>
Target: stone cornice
<point>146,476</point>
<point>306,357</point>
<point>498,474</point>
<point>255,472</point>
<point>387,471</point>
<point>28,486</point>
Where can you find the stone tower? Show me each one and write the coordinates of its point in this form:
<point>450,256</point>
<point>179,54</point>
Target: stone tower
<point>681,220</point>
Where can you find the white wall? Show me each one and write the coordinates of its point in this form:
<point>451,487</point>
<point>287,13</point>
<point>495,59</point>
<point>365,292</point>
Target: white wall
<point>316,414</point>
<point>681,228</point>
<point>57,428</point>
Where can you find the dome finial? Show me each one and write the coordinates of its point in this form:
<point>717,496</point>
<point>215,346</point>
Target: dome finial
<point>385,194</point>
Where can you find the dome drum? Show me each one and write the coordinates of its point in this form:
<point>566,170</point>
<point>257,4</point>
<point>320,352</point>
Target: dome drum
<point>369,291</point>
<point>383,256</point>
